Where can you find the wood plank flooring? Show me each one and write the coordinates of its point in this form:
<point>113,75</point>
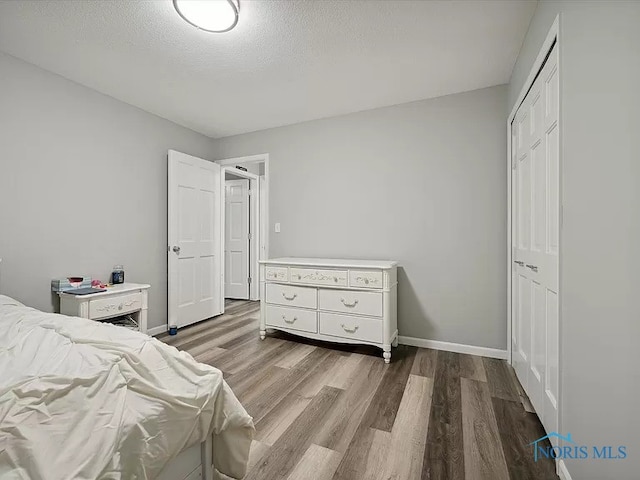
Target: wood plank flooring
<point>340,413</point>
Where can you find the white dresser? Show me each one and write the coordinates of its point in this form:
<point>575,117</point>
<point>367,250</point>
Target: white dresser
<point>346,301</point>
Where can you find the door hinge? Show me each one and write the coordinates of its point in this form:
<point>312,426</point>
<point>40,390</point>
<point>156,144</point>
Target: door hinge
<point>249,236</point>
<point>249,192</point>
<point>249,279</point>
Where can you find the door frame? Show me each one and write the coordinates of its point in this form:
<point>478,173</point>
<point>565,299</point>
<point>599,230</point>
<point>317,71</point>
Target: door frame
<point>552,39</point>
<point>254,225</point>
<point>252,183</point>
<point>259,205</point>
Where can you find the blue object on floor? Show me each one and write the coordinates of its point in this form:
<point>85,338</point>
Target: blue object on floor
<point>173,330</point>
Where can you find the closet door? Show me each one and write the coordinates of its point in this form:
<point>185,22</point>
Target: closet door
<point>535,237</point>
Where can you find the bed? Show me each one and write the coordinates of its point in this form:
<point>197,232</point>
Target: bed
<point>85,400</point>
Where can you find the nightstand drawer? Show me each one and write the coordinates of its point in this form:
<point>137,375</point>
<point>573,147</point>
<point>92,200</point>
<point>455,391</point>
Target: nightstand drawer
<point>115,305</point>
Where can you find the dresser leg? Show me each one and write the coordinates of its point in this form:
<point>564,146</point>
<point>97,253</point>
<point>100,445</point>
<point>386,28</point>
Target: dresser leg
<point>263,333</point>
<point>387,354</point>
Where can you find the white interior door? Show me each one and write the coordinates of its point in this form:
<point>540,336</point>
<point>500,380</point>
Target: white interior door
<point>535,243</point>
<point>237,239</point>
<point>194,239</point>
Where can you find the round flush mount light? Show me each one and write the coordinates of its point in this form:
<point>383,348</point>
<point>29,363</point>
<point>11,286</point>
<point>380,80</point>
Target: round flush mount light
<point>215,16</point>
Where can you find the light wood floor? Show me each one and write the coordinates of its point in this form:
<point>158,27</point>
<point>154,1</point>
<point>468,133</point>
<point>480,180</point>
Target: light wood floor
<point>340,413</point>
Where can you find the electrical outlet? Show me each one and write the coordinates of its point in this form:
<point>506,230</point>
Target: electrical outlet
<point>277,228</point>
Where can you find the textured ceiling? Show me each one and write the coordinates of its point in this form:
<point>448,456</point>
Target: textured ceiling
<point>287,61</point>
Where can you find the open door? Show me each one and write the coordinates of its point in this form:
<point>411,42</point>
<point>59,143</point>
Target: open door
<point>195,288</point>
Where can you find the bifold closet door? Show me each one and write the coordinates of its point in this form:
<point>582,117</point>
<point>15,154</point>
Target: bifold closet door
<point>535,243</point>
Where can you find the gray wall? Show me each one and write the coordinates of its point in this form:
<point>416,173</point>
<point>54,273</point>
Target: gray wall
<point>600,79</point>
<point>82,186</point>
<point>422,183</point>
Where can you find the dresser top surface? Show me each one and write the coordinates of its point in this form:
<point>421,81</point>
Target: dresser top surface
<point>330,262</point>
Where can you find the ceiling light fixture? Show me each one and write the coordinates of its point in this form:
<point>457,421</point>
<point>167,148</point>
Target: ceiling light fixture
<point>215,16</point>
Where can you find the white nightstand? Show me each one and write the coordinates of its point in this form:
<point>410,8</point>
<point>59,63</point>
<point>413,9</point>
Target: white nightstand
<point>118,300</point>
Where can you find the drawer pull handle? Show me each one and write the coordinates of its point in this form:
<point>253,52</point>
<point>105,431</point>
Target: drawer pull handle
<point>350,305</point>
<point>350,330</point>
<point>293,297</point>
<point>286,320</point>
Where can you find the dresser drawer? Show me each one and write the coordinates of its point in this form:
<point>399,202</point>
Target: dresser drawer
<point>276,273</point>
<point>293,296</point>
<point>348,301</point>
<point>365,278</point>
<point>349,326</point>
<point>115,305</point>
<point>319,277</point>
<point>293,318</point>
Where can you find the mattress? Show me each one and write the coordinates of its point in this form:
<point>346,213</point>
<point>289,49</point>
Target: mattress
<point>86,400</point>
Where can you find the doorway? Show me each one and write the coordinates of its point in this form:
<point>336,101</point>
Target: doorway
<point>238,233</point>
<point>245,219</point>
<point>534,236</point>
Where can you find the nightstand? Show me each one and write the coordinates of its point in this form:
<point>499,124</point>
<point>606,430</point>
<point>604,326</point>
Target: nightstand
<point>119,300</point>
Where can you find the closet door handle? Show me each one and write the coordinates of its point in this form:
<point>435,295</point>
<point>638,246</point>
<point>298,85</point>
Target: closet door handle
<point>519,263</point>
<point>532,267</point>
<point>350,305</point>
<point>293,297</point>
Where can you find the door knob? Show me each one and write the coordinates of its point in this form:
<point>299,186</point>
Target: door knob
<point>176,249</point>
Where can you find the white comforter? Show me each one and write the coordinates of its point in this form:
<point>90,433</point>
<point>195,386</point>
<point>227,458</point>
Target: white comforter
<point>84,400</point>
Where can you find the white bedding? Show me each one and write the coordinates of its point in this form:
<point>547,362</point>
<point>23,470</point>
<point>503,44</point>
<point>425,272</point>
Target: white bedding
<point>85,400</point>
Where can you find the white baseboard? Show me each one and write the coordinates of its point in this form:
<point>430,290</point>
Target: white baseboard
<point>563,473</point>
<point>156,330</point>
<point>453,347</point>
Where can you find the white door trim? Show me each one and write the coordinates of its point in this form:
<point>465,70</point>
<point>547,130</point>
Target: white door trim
<point>260,202</point>
<point>247,184</point>
<point>255,227</point>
